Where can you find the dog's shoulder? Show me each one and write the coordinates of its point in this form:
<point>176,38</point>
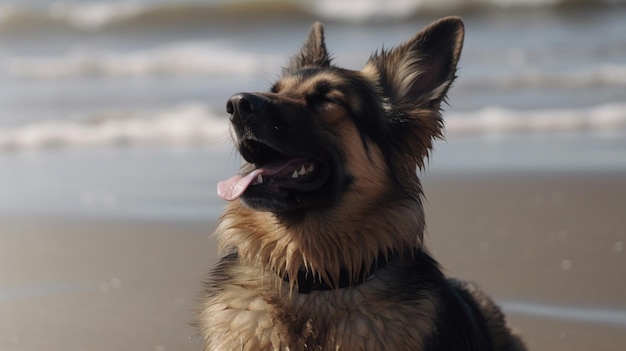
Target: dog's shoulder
<point>482,305</point>
<point>455,321</point>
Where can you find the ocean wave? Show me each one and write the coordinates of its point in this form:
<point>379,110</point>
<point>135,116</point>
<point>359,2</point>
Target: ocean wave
<point>186,124</point>
<point>208,58</point>
<point>398,10</point>
<point>197,124</point>
<point>102,15</point>
<point>183,59</point>
<point>502,121</point>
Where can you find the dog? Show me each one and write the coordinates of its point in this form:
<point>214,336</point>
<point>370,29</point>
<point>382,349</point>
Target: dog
<point>322,240</point>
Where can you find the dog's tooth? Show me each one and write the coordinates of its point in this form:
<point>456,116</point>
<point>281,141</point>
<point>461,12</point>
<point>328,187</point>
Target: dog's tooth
<point>259,179</point>
<point>310,169</point>
<point>302,170</point>
<point>294,174</point>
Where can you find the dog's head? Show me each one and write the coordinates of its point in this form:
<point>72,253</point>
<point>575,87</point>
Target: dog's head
<point>326,136</point>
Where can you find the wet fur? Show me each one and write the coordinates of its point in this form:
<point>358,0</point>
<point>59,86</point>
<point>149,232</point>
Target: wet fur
<point>377,126</point>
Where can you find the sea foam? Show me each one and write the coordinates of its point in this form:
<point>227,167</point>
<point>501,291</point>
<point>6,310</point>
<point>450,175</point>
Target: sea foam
<point>178,59</point>
<point>185,124</point>
<point>500,121</point>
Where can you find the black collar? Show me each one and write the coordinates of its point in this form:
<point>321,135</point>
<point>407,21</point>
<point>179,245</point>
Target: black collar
<point>308,282</point>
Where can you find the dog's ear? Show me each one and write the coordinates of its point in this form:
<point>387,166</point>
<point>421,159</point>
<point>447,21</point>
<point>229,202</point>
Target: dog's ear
<point>420,71</point>
<point>313,53</point>
<point>414,79</point>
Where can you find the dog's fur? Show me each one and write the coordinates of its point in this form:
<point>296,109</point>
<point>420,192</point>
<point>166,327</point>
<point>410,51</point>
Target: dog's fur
<point>334,259</point>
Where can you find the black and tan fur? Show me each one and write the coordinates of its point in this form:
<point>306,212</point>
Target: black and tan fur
<point>357,217</point>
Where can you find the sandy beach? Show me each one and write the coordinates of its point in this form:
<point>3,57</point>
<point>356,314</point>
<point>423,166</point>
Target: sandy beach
<point>548,246</point>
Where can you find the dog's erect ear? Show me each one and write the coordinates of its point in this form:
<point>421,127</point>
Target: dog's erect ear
<point>313,53</point>
<point>414,79</point>
<point>419,72</point>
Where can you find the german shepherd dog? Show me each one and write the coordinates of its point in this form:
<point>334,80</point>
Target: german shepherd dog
<point>322,239</point>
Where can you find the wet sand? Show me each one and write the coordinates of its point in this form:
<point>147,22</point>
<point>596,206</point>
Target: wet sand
<point>549,247</point>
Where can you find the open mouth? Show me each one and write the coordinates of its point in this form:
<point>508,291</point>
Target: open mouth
<point>276,174</point>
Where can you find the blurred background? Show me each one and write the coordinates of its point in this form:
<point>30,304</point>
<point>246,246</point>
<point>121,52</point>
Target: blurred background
<point>113,107</point>
<point>113,135</point>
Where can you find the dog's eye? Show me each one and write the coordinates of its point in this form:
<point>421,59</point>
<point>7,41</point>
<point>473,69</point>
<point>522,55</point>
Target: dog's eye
<point>324,93</point>
<point>336,97</point>
<point>332,98</point>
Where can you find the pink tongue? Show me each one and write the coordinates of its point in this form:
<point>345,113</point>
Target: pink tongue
<point>231,188</point>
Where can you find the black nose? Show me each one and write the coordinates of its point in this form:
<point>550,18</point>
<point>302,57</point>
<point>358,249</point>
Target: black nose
<point>243,105</point>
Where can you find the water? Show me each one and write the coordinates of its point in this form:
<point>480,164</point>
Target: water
<point>611,317</point>
<point>101,100</point>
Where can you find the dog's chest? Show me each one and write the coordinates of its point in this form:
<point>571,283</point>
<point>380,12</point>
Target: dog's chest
<point>358,318</point>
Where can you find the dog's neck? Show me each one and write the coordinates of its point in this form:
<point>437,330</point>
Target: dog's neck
<point>321,247</point>
<point>308,281</point>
